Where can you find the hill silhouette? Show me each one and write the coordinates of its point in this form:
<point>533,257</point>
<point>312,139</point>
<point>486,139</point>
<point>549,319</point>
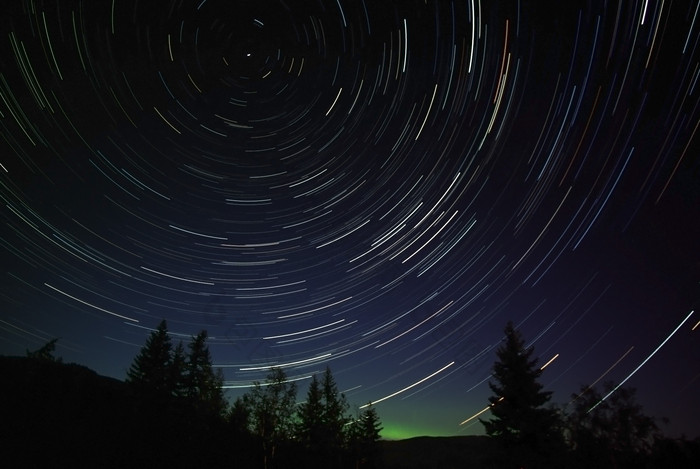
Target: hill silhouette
<point>426,452</point>
<point>62,413</point>
<point>67,415</point>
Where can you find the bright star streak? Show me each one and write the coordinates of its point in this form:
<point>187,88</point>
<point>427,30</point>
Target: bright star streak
<point>90,305</point>
<point>550,361</point>
<point>601,376</point>
<point>643,362</point>
<point>283,365</point>
<point>480,412</point>
<point>410,386</point>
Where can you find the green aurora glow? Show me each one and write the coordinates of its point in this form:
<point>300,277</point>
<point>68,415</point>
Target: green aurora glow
<point>402,432</point>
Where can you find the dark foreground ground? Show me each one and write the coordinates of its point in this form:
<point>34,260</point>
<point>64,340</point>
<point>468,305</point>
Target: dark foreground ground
<point>55,415</point>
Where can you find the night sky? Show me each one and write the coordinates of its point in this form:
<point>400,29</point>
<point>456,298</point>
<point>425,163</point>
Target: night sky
<point>372,186</point>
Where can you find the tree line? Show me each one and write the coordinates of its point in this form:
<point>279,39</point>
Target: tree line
<point>605,429</point>
<point>171,412</point>
<point>270,428</point>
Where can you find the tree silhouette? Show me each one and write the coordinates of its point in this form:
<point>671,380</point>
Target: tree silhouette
<point>170,413</point>
<point>151,370</point>
<point>310,430</point>
<point>322,420</point>
<point>179,403</point>
<point>612,431</point>
<point>272,409</point>
<point>178,369</point>
<point>364,438</point>
<point>160,411</point>
<point>46,352</point>
<point>334,418</point>
<point>521,424</point>
<point>239,417</point>
<point>203,386</point>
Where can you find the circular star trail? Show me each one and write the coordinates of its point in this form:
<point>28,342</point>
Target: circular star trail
<point>377,187</point>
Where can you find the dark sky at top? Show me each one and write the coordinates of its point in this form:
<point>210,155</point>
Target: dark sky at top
<point>377,187</point>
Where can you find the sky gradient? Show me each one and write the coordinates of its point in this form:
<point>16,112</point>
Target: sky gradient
<point>376,187</point>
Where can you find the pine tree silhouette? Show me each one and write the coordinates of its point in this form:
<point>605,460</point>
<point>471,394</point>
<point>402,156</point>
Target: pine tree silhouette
<point>151,370</point>
<point>364,439</point>
<point>310,427</point>
<point>46,352</point>
<point>203,386</point>
<point>529,432</point>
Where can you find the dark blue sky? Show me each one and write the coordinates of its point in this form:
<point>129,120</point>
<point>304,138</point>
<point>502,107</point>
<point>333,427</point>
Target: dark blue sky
<point>377,187</point>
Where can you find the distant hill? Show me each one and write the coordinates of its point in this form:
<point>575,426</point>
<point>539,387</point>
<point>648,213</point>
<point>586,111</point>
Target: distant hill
<point>52,412</point>
<point>438,452</point>
<point>57,415</point>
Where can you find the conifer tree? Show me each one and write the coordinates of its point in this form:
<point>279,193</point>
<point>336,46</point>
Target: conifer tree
<point>239,417</point>
<point>203,386</point>
<point>334,418</point>
<point>370,425</point>
<point>178,367</point>
<point>150,378</point>
<point>46,352</point>
<point>364,438</point>
<point>520,422</point>
<point>151,369</point>
<point>322,422</point>
<point>310,425</point>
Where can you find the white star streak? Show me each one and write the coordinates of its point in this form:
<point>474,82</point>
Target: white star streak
<point>90,305</point>
<point>643,362</point>
<point>409,386</point>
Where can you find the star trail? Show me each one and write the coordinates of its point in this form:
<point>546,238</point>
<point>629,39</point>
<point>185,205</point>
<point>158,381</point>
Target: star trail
<point>377,187</point>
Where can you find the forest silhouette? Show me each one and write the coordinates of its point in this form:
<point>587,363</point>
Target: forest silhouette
<point>171,411</point>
